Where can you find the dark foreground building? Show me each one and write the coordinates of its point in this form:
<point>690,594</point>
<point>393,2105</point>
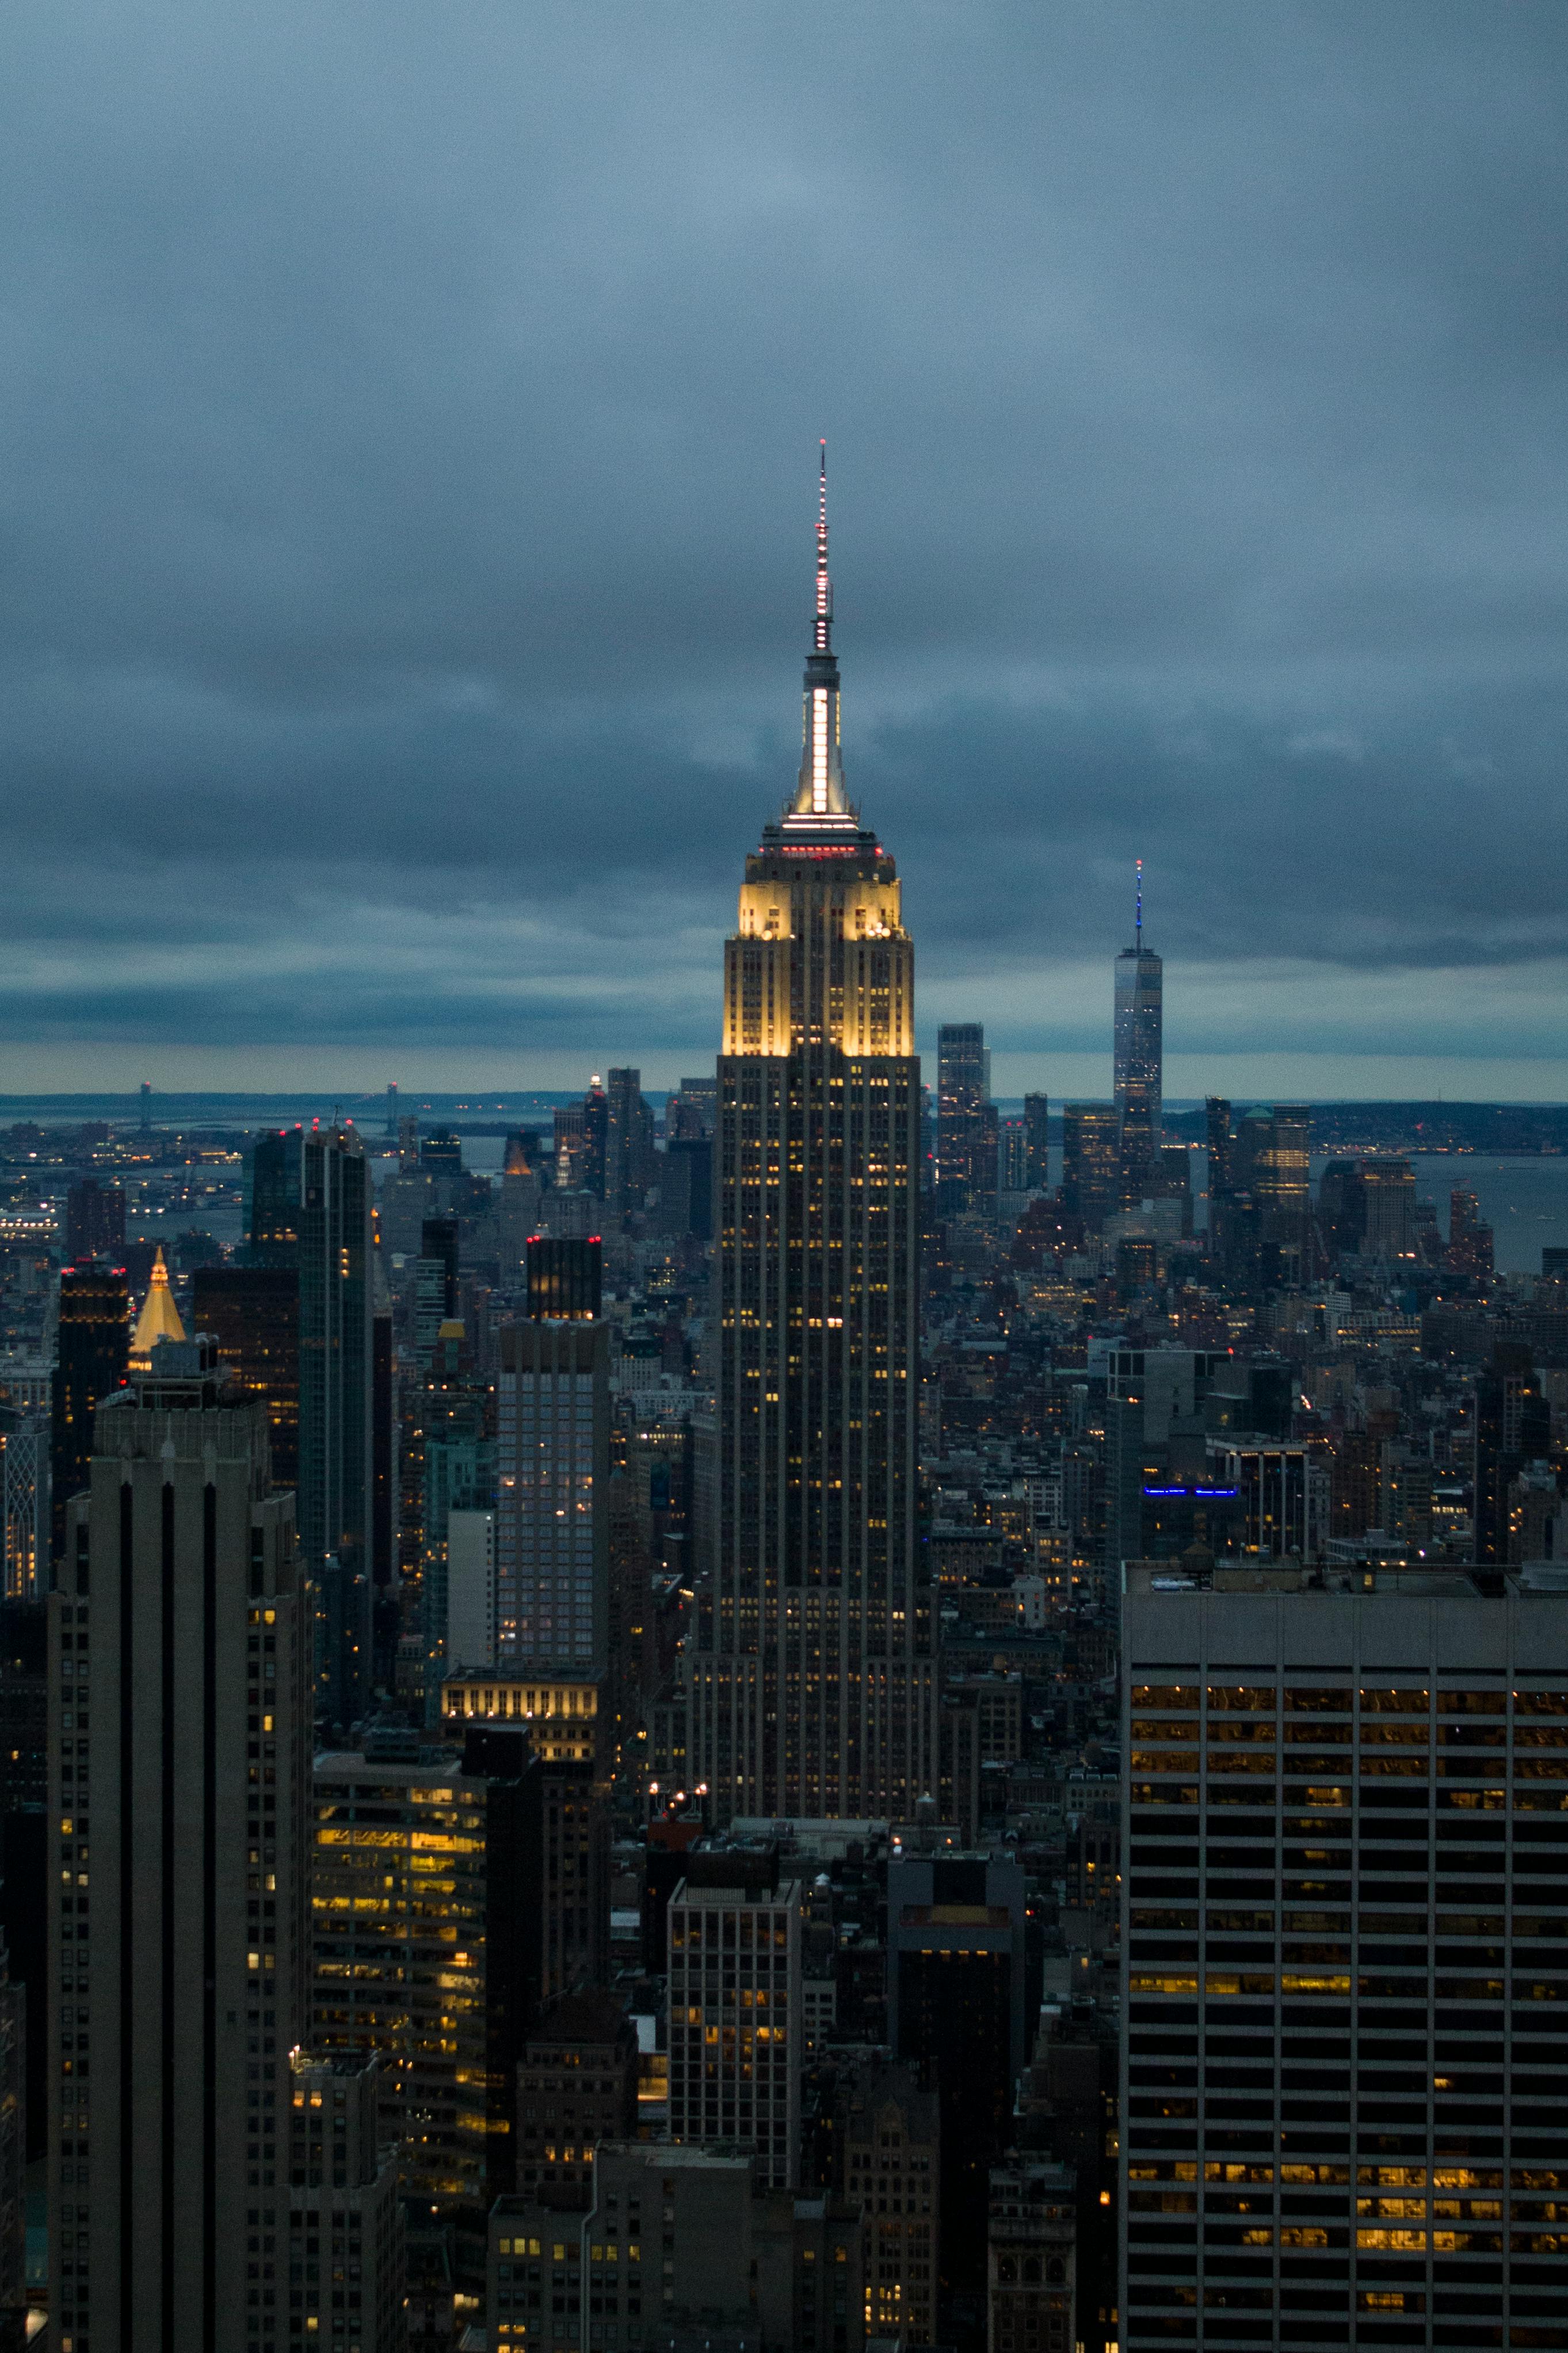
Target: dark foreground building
<point>1345,2061</point>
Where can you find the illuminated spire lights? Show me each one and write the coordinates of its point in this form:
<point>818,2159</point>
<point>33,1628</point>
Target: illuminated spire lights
<point>824,639</point>
<point>820,798</point>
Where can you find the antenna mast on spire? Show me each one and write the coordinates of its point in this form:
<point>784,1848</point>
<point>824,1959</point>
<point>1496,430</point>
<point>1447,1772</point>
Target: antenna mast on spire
<point>1139,908</point>
<point>824,638</point>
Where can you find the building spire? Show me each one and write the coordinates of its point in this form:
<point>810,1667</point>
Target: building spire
<point>820,794</point>
<point>823,639</point>
<point>1138,937</point>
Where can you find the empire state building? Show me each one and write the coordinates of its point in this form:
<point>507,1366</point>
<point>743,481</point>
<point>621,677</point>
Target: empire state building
<point>813,1683</point>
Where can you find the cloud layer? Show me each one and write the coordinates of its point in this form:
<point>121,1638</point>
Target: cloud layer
<point>409,422</point>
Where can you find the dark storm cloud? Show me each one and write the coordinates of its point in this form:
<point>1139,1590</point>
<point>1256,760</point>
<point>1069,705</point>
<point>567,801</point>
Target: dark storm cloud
<point>409,419</point>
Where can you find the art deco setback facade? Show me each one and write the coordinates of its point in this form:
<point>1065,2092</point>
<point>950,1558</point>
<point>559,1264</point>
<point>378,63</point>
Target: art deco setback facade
<point>812,1682</point>
<point>1345,2064</point>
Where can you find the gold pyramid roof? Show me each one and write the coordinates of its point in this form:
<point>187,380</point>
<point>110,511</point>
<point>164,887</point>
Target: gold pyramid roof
<point>159,1319</point>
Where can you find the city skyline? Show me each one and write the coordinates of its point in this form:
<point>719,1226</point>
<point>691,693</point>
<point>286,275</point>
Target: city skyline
<point>701,1651</point>
<point>1204,487</point>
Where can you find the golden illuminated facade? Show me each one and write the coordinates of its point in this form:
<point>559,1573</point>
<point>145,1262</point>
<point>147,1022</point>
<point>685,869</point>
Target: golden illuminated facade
<point>453,1894</point>
<point>399,1890</point>
<point>562,1718</point>
<point>812,1680</point>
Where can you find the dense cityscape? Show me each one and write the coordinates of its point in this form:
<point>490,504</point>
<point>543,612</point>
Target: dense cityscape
<point>820,1714</point>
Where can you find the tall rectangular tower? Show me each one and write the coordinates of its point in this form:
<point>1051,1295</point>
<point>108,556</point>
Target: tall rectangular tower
<point>179,1750</point>
<point>93,1342</point>
<point>1139,1059</point>
<point>812,1681</point>
<point>1345,1891</point>
<point>965,1115</point>
<point>552,1538</point>
<point>334,1434</point>
<point>309,1212</point>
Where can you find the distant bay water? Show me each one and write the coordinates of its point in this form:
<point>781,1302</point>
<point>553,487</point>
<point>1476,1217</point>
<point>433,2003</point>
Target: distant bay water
<point>1523,1197</point>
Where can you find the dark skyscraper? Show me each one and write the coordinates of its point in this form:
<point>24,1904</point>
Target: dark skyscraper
<point>565,1277</point>
<point>1036,1119</point>
<point>309,1212</point>
<point>183,1970</point>
<point>272,1203</point>
<point>628,1144</point>
<point>253,1312</point>
<point>333,1509</point>
<point>1325,1868</point>
<point>956,2006</point>
<point>1139,988</point>
<point>595,1109</point>
<point>1221,1150</point>
<point>1513,1427</point>
<point>94,1342</point>
<point>95,1220</point>
<point>552,1535</point>
<point>1091,1143</point>
<point>813,1684</point>
<point>965,1118</point>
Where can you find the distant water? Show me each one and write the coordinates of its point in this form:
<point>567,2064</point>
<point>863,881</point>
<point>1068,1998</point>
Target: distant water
<point>1523,1197</point>
<point>252,1111</point>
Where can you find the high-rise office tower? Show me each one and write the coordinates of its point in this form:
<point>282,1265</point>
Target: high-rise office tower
<point>1139,1075</point>
<point>90,1364</point>
<point>333,1506</point>
<point>345,2215</point>
<point>95,1220</point>
<point>392,1112</point>
<point>1221,1148</point>
<point>956,2006</point>
<point>686,1187</point>
<point>552,1538</point>
<point>1470,1239</point>
<point>1344,1890</point>
<point>813,1682</point>
<point>1513,1427</point>
<point>1090,1161</point>
<point>456,1473</point>
<point>23,1503</point>
<point>628,1144</point>
<point>891,2166</point>
<point>734,1986</point>
<point>469,1639</point>
<point>177,1961</point>
<point>1012,1156</point>
<point>565,1278</point>
<point>690,1113</point>
<point>576,2087</point>
<point>1037,1142</point>
<point>469,1922</point>
<point>1269,1160</point>
<point>595,1137</point>
<point>570,1141</point>
<point>966,1117</point>
<point>272,1199</point>
<point>253,1313</point>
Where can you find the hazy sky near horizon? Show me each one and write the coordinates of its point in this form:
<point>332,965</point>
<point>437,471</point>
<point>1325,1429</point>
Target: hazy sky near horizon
<point>409,422</point>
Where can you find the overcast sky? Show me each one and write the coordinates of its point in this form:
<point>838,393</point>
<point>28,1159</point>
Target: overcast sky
<point>409,417</point>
